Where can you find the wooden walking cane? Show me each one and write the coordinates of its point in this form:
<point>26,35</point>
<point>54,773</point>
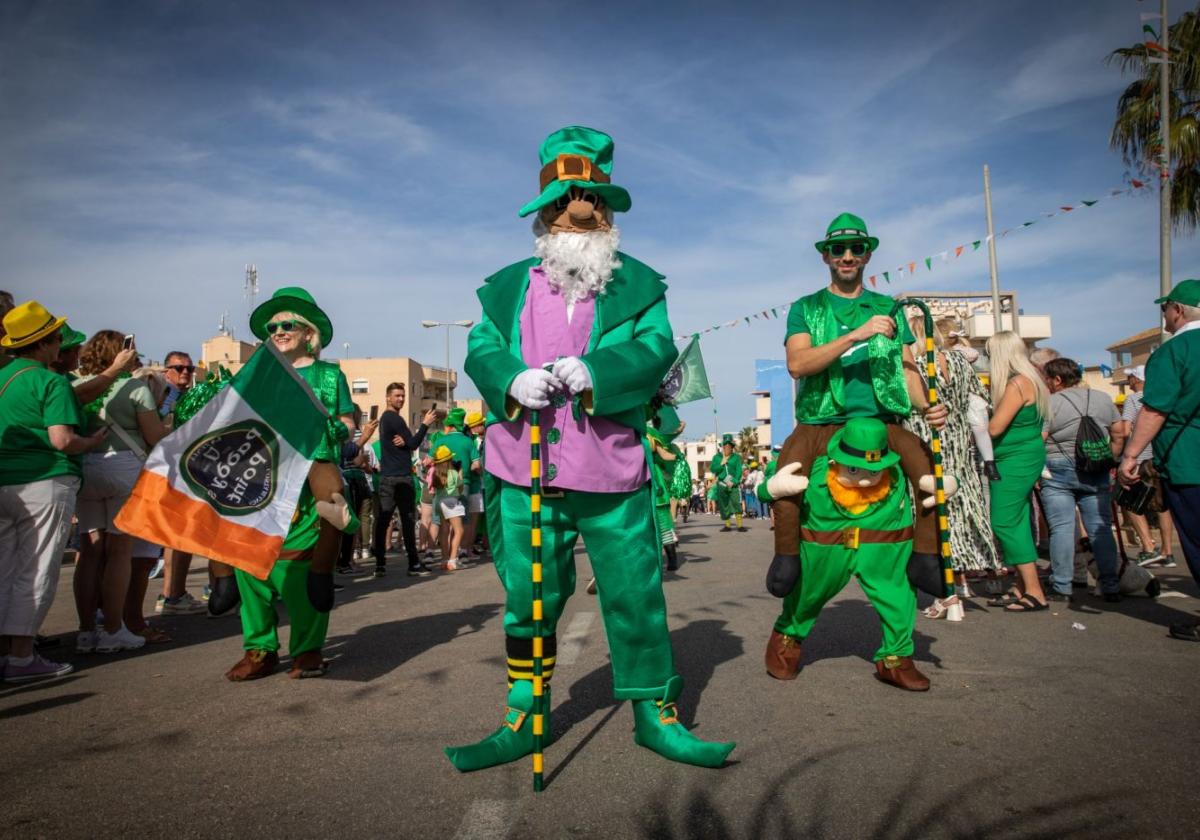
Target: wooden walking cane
<point>935,441</point>
<point>535,532</point>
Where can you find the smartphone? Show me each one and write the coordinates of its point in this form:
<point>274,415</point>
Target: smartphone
<point>433,407</point>
<point>128,343</point>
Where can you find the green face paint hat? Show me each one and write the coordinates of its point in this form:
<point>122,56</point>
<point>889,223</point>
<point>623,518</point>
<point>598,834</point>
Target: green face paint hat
<point>291,299</point>
<point>455,417</point>
<point>847,228</point>
<point>577,156</point>
<point>1186,293</point>
<point>862,443</point>
<point>71,338</point>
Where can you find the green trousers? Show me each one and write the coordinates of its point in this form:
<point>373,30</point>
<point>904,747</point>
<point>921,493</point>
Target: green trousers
<point>881,571</point>
<point>288,583</point>
<point>729,501</point>
<point>623,546</point>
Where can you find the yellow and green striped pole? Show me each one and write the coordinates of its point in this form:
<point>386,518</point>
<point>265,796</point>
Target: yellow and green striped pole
<point>535,507</point>
<point>935,442</point>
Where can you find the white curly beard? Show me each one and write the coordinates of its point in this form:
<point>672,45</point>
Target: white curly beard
<point>578,264</point>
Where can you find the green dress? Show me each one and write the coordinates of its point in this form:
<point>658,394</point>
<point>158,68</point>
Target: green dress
<point>1020,457</point>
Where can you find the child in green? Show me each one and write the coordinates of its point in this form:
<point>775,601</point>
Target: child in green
<point>448,504</point>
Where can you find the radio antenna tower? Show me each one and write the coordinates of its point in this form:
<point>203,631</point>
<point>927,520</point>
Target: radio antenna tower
<point>223,327</point>
<point>251,288</point>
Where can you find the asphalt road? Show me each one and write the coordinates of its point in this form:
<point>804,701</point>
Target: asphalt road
<point>1035,727</point>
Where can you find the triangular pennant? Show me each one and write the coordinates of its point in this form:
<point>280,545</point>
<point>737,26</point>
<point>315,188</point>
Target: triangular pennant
<point>886,278</point>
<point>1149,30</point>
<point>1137,185</point>
<point>774,312</point>
<point>1005,232</point>
<point>1155,46</point>
<point>1087,203</point>
<point>1027,224</point>
<point>975,244</point>
<point>929,263</point>
<point>872,280</point>
<point>1066,209</point>
<point>912,268</point>
<point>958,251</point>
<point>945,255</point>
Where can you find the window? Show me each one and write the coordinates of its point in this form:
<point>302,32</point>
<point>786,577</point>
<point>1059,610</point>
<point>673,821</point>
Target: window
<point>360,386</point>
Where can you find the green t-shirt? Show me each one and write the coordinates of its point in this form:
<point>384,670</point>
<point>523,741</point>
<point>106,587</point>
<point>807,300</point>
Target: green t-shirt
<point>465,452</point>
<point>1173,387</point>
<point>376,448</point>
<point>851,313</point>
<point>32,403</point>
<point>122,403</point>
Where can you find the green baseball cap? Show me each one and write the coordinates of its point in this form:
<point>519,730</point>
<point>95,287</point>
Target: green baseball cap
<point>577,156</point>
<point>862,443</point>
<point>291,299</point>
<point>847,228</point>
<point>71,338</point>
<point>1187,292</point>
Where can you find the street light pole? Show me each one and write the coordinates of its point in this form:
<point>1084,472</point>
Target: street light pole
<point>1164,173</point>
<point>466,324</point>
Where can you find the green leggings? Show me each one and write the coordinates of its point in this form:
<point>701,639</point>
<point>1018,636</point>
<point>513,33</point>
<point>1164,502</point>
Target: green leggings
<point>623,546</point>
<point>287,582</point>
<point>729,501</point>
<point>882,572</point>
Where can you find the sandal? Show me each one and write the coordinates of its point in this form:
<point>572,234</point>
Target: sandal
<point>1026,603</point>
<point>939,607</point>
<point>1009,597</point>
<point>153,635</point>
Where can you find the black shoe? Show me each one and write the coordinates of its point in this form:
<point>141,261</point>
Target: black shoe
<point>990,470</point>
<point>350,571</point>
<point>1185,632</point>
<point>380,571</point>
<point>419,571</point>
<point>1058,596</point>
<point>1113,597</point>
<point>743,528</point>
<point>726,528</point>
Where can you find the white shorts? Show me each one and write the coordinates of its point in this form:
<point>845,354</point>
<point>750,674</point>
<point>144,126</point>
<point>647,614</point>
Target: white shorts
<point>452,508</point>
<point>108,479</point>
<point>475,503</point>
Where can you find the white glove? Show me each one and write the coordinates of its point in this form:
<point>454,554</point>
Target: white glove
<point>786,483</point>
<point>928,484</point>
<point>573,373</point>
<point>336,512</point>
<point>728,482</point>
<point>532,387</point>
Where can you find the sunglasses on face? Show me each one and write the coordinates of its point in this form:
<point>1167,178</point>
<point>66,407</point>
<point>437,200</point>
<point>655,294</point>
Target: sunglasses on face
<point>285,326</point>
<point>182,368</point>
<point>576,193</point>
<point>836,249</point>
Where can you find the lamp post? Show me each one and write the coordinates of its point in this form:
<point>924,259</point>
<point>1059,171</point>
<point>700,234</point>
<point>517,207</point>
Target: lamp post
<point>448,325</point>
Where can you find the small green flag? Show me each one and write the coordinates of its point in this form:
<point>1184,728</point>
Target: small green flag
<point>885,277</point>
<point>1026,224</point>
<point>1089,203</point>
<point>975,244</point>
<point>687,380</point>
<point>929,263</point>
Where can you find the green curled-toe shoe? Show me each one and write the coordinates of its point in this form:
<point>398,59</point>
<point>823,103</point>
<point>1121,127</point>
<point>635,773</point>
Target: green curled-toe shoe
<point>657,727</point>
<point>514,738</point>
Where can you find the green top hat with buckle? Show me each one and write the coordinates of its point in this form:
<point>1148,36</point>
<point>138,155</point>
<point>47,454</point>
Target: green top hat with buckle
<point>71,338</point>
<point>1187,292</point>
<point>847,228</point>
<point>862,443</point>
<point>727,440</point>
<point>291,299</point>
<point>577,156</point>
<point>455,417</point>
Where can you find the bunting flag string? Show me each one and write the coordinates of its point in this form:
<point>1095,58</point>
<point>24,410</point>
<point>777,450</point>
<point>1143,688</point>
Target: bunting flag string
<point>911,267</point>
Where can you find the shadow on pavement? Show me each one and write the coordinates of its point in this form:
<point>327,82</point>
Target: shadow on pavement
<point>379,649</point>
<point>44,704</point>
<point>850,627</point>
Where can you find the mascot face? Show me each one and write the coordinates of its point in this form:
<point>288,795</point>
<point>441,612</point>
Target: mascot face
<point>857,476</point>
<point>577,243</point>
<point>576,211</point>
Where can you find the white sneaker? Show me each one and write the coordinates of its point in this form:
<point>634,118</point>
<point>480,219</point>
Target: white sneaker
<point>185,604</point>
<point>85,642</point>
<point>123,639</point>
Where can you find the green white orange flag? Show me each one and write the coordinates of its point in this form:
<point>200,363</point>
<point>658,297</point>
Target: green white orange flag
<point>225,484</point>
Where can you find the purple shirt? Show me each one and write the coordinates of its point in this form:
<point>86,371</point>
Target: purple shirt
<point>591,453</point>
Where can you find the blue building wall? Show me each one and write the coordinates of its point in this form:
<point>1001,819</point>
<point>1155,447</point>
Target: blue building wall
<point>772,375</point>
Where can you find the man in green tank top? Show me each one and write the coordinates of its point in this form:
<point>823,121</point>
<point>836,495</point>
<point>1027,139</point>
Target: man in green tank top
<point>851,352</point>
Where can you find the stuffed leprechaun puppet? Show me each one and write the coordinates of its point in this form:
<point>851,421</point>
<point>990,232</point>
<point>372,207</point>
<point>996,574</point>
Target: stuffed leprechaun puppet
<point>856,520</point>
<point>580,333</point>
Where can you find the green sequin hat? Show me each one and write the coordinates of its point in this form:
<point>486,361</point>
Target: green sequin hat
<point>291,299</point>
<point>862,443</point>
<point>847,228</point>
<point>71,338</point>
<point>728,439</point>
<point>577,156</point>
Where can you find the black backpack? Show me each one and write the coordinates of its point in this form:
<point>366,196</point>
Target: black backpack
<point>1093,449</point>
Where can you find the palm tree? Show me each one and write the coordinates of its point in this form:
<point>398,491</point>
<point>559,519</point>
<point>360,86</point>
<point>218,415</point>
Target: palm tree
<point>747,444</point>
<point>1136,130</point>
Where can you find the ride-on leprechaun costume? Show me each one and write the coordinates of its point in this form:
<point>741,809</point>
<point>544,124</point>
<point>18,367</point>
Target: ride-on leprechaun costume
<point>302,577</point>
<point>726,467</point>
<point>856,520</point>
<point>581,334</point>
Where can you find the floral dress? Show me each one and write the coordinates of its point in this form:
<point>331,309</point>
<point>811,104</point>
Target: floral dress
<point>971,545</point>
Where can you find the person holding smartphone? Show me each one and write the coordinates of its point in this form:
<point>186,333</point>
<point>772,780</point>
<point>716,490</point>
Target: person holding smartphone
<point>396,491</point>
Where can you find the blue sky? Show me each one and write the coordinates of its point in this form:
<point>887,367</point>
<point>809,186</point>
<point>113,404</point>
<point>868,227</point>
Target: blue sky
<point>377,153</point>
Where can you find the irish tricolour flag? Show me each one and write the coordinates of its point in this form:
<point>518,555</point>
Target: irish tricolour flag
<point>226,483</point>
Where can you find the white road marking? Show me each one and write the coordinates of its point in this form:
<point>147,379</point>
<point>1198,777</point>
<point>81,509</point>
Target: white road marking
<point>571,643</point>
<point>486,819</point>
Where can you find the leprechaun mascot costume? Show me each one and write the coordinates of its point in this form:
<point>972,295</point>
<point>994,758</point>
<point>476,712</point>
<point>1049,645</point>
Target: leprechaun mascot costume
<point>856,520</point>
<point>302,577</point>
<point>726,467</point>
<point>579,332</point>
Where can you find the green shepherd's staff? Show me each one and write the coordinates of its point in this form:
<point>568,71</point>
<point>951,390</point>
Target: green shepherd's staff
<point>535,506</point>
<point>935,442</point>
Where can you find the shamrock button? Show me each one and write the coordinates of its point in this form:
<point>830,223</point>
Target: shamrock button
<point>551,471</point>
<point>554,436</point>
<point>559,400</point>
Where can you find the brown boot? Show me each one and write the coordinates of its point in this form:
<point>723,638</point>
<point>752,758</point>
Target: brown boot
<point>308,664</point>
<point>902,673</point>
<point>783,656</point>
<point>256,664</point>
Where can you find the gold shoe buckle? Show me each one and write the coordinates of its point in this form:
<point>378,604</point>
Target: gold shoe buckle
<point>515,725</point>
<point>668,713</point>
<point>891,662</point>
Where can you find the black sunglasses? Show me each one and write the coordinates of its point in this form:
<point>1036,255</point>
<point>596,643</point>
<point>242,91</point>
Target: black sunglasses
<point>182,368</point>
<point>836,249</point>
<point>576,193</point>
<point>286,326</point>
